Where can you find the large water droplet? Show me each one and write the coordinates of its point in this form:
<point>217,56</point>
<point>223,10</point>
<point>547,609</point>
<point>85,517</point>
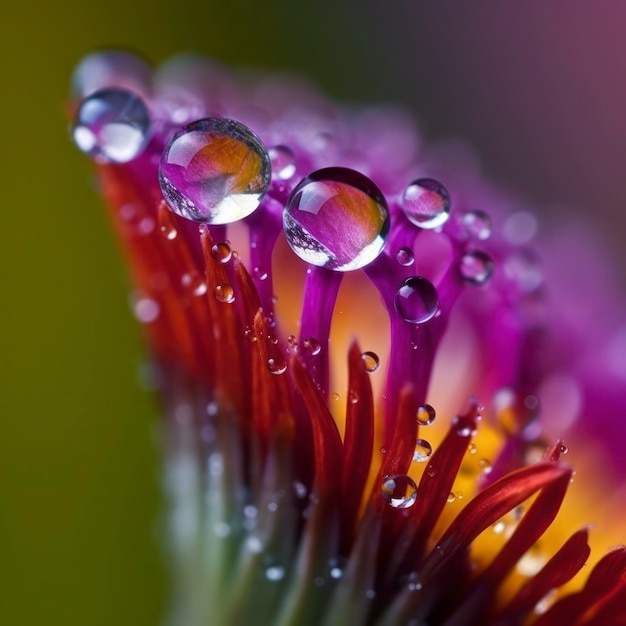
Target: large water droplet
<point>214,171</point>
<point>283,162</point>
<point>336,218</point>
<point>426,203</point>
<point>371,361</point>
<point>221,252</point>
<point>400,491</point>
<point>476,267</point>
<point>425,415</point>
<point>416,300</point>
<point>112,125</point>
<point>477,224</point>
<point>422,451</point>
<point>277,365</point>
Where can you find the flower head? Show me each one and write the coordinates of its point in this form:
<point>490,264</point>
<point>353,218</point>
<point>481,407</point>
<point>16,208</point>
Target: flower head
<point>308,478</point>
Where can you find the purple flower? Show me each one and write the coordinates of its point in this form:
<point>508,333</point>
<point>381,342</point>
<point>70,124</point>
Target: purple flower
<point>313,281</point>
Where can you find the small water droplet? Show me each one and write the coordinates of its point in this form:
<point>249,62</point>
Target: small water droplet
<point>459,495</point>
<point>425,415</point>
<point>472,448</point>
<point>275,573</point>
<point>477,224</point>
<point>451,497</point>
<point>312,346</point>
<point>336,218</point>
<point>371,361</point>
<point>225,293</point>
<point>277,365</point>
<point>221,252</point>
<point>146,310</point>
<point>259,272</point>
<point>399,490</point>
<point>353,396</point>
<point>112,125</point>
<point>214,171</point>
<point>485,465</point>
<point>194,283</point>
<point>426,203</point>
<point>335,397</point>
<point>563,449</point>
<point>166,225</point>
<point>416,300</point>
<point>476,267</point>
<point>405,257</point>
<point>283,162</point>
<point>422,451</point>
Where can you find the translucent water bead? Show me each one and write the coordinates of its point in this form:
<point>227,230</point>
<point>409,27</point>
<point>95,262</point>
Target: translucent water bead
<point>112,125</point>
<point>214,171</point>
<point>336,218</point>
<point>416,300</point>
<point>426,203</point>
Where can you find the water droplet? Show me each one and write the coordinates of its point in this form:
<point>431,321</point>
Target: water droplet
<point>277,365</point>
<point>563,449</point>
<point>353,396</point>
<point>335,396</point>
<point>275,573</point>
<point>146,310</point>
<point>476,267</point>
<point>422,451</point>
<point>166,225</point>
<point>425,415</point>
<point>405,257</point>
<point>416,300</point>
<point>485,465</point>
<point>194,283</point>
<point>312,346</point>
<point>225,293</point>
<point>371,361</point>
<point>336,218</point>
<point>259,272</point>
<point>283,162</point>
<point>400,491</point>
<point>426,203</point>
<point>112,125</point>
<point>451,497</point>
<point>477,224</point>
<point>221,252</point>
<point>214,171</point>
<point>472,448</point>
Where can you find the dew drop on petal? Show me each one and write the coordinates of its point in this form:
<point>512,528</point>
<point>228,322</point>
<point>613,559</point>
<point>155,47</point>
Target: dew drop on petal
<point>405,257</point>
<point>422,451</point>
<point>225,293</point>
<point>335,396</point>
<point>112,125</point>
<point>399,490</point>
<point>451,497</point>
<point>214,171</point>
<point>425,415</point>
<point>312,346</point>
<point>277,365</point>
<point>283,162</point>
<point>259,272</point>
<point>194,283</point>
<point>476,267</point>
<point>472,448</point>
<point>416,300</point>
<point>371,361</point>
<point>477,224</point>
<point>426,203</point>
<point>221,252</point>
<point>336,218</point>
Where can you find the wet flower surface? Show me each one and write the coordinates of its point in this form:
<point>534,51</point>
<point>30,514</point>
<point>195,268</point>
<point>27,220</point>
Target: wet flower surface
<point>366,379</point>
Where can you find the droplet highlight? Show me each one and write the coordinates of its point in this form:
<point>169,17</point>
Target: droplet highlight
<point>336,218</point>
<point>214,171</point>
<point>476,267</point>
<point>112,125</point>
<point>283,162</point>
<point>416,300</point>
<point>477,224</point>
<point>400,491</point>
<point>371,361</point>
<point>422,451</point>
<point>425,415</point>
<point>426,203</point>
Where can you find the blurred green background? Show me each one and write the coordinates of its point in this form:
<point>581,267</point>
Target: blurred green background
<point>79,472</point>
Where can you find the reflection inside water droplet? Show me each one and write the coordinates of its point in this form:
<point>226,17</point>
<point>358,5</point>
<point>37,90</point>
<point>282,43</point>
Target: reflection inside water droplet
<point>399,490</point>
